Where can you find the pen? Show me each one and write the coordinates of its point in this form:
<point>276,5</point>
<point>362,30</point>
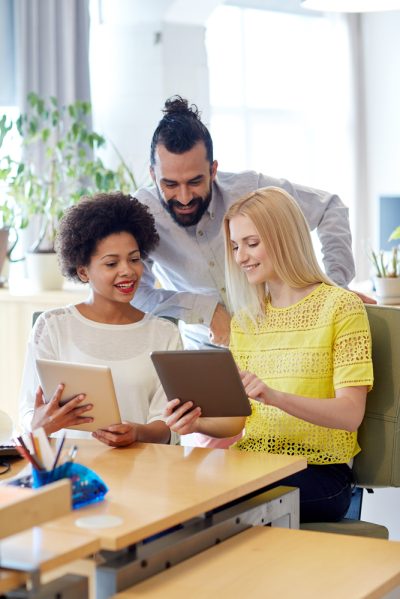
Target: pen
<point>72,453</point>
<point>60,444</point>
<point>36,447</point>
<point>23,452</point>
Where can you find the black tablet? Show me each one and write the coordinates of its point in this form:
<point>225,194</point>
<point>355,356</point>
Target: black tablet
<point>209,378</point>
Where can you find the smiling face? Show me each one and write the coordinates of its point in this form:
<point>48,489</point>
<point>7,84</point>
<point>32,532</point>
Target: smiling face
<point>249,250</point>
<point>184,182</point>
<point>115,268</point>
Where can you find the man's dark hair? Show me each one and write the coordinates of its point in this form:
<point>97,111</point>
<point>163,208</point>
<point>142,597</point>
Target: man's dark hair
<point>180,129</point>
<point>96,217</point>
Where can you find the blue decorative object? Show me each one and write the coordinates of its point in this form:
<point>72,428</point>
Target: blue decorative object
<point>87,486</point>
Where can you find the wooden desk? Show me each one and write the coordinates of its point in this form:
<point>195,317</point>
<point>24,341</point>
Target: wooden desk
<point>154,487</point>
<point>27,555</point>
<point>277,562</point>
<point>10,579</point>
<point>44,549</point>
<point>23,508</point>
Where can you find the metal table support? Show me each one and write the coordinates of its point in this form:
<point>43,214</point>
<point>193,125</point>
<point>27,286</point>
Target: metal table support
<point>120,570</point>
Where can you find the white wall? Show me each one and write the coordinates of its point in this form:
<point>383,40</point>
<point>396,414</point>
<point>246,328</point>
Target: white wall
<point>381,46</point>
<point>382,81</point>
<point>140,54</point>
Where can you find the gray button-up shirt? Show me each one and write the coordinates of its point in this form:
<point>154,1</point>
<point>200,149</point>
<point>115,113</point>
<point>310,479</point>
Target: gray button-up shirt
<point>189,261</point>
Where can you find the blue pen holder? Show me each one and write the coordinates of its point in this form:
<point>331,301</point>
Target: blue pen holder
<point>87,486</point>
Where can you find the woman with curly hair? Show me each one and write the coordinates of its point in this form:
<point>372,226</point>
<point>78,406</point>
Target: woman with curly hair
<point>101,242</point>
<point>303,347</point>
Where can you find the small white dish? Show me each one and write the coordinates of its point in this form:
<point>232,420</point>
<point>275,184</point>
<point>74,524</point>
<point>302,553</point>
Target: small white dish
<point>98,521</point>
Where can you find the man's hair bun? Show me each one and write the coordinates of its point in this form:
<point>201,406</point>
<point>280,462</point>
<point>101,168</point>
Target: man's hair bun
<point>178,105</point>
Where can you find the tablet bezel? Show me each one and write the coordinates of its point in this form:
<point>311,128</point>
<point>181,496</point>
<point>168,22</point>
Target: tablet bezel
<point>92,379</point>
<point>208,377</point>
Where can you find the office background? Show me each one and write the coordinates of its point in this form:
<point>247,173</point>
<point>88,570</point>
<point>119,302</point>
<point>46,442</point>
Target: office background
<point>280,96</point>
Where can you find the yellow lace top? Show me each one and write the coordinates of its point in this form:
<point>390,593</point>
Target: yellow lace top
<point>319,344</point>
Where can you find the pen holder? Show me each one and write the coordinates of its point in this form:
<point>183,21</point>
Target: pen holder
<point>87,486</point>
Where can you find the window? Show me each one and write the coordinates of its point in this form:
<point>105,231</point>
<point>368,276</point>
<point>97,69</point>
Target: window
<point>280,90</point>
<point>7,53</point>
<point>7,74</point>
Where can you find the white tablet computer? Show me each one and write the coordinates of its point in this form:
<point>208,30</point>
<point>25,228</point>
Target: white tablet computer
<point>93,380</point>
<point>209,378</point>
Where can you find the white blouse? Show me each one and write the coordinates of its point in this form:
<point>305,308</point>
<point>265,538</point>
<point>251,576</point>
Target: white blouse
<point>64,334</point>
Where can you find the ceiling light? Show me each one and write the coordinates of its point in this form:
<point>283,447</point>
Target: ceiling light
<point>351,5</point>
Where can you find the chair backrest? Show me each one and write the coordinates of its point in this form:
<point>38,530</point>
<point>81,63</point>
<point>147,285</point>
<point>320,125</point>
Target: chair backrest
<point>35,316</point>
<point>378,464</point>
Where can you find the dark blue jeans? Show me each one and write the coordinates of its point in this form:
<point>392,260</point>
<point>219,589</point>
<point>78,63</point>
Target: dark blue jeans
<point>325,491</point>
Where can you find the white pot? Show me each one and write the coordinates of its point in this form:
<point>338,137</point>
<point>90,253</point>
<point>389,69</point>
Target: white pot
<point>3,251</point>
<point>43,271</point>
<point>387,290</point>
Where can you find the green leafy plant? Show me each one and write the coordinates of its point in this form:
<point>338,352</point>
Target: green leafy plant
<point>395,234</point>
<point>387,265</point>
<point>59,163</point>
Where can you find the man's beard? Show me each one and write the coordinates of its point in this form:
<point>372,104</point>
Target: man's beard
<point>187,220</point>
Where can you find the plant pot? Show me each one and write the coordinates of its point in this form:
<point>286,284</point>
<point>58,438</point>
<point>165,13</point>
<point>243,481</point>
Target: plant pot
<point>44,271</point>
<point>6,247</point>
<point>3,251</point>
<point>387,290</point>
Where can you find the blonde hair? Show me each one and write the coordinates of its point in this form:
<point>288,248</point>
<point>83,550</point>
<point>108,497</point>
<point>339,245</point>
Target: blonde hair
<point>285,234</point>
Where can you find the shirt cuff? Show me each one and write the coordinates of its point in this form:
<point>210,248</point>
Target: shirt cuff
<point>175,438</point>
<point>203,309</point>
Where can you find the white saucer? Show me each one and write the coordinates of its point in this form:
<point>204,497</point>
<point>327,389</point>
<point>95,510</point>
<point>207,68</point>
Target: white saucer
<point>98,521</point>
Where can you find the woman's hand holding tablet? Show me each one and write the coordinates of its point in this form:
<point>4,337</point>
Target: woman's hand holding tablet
<point>208,378</point>
<point>69,391</point>
<point>182,418</point>
<point>55,415</point>
<point>205,391</point>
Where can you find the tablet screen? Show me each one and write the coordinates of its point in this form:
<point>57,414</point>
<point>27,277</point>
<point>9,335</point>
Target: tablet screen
<point>209,378</point>
<point>93,380</point>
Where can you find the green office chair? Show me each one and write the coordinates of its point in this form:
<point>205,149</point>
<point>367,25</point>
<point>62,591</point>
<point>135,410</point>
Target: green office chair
<point>378,464</point>
<point>35,316</point>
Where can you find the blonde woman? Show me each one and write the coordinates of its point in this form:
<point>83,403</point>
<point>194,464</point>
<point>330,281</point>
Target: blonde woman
<point>303,347</point>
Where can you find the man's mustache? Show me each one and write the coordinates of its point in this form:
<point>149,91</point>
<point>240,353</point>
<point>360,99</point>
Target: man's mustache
<point>193,202</point>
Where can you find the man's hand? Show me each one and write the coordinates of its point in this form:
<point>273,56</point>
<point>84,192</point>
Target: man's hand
<point>220,326</point>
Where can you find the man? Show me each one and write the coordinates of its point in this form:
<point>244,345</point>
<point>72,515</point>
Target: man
<point>188,200</point>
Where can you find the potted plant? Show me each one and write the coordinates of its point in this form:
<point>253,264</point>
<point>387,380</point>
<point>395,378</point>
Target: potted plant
<point>387,272</point>
<point>6,244</point>
<point>58,163</point>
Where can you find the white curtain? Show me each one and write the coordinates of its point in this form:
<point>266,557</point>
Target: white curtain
<point>51,40</point>
<point>52,49</point>
<point>7,54</point>
<point>361,209</point>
